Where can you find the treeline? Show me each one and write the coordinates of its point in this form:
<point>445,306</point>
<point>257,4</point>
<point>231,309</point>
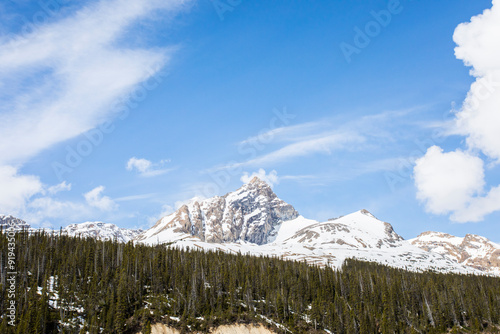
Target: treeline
<point>73,285</point>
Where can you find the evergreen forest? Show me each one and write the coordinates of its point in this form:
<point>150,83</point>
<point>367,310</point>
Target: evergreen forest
<point>76,285</point>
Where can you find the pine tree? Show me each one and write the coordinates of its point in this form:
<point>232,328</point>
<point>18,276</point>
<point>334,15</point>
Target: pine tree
<point>147,328</point>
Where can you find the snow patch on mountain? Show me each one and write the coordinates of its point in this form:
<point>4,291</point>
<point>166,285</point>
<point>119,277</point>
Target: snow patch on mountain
<point>252,213</point>
<point>8,221</point>
<point>206,225</point>
<point>101,231</point>
<point>472,250</point>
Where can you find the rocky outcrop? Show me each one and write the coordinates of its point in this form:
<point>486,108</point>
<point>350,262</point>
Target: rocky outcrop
<point>252,213</point>
<point>472,250</point>
<point>13,222</point>
<point>101,231</point>
<point>253,220</point>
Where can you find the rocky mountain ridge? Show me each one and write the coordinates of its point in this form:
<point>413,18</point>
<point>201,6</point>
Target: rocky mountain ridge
<point>101,231</point>
<point>253,220</point>
<point>472,250</point>
<point>8,221</point>
<point>250,214</point>
<point>98,230</point>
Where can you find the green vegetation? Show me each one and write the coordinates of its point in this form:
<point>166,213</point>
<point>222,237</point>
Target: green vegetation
<point>121,288</point>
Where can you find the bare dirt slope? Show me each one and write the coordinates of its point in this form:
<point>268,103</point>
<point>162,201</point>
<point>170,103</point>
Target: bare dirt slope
<point>232,329</point>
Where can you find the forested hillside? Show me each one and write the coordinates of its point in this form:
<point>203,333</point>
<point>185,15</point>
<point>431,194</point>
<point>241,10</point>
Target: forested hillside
<point>72,285</point>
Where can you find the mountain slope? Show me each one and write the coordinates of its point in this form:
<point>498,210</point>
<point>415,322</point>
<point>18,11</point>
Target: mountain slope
<point>472,250</point>
<point>253,220</point>
<point>10,221</point>
<point>102,231</point>
<point>252,213</point>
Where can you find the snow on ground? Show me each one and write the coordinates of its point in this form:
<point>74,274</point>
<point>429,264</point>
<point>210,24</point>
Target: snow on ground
<point>358,235</point>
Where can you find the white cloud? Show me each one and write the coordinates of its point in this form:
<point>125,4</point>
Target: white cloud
<point>134,197</point>
<point>141,165</point>
<point>270,178</point>
<point>16,190</point>
<point>284,133</point>
<point>64,78</point>
<point>95,199</point>
<point>478,46</point>
<point>146,168</point>
<point>41,210</point>
<point>454,183</point>
<point>67,75</point>
<point>447,182</point>
<point>479,207</point>
<point>314,138</point>
<point>63,186</point>
<point>324,144</point>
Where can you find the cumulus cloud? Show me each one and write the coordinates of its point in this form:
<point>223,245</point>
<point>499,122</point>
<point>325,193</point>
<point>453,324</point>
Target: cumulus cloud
<point>42,209</point>
<point>479,207</point>
<point>454,183</point>
<point>146,168</point>
<point>16,190</point>
<point>94,198</point>
<point>478,47</point>
<point>447,182</point>
<point>270,178</point>
<point>141,165</point>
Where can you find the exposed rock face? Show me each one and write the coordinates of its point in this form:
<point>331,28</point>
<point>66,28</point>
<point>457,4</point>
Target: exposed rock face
<point>101,231</point>
<point>472,250</point>
<point>10,221</point>
<point>253,220</point>
<point>252,213</point>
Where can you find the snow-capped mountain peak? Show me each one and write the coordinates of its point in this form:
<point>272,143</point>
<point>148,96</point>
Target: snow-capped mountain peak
<point>358,230</point>
<point>8,221</point>
<point>253,220</point>
<point>367,213</point>
<point>101,231</point>
<point>253,213</point>
<point>472,250</point>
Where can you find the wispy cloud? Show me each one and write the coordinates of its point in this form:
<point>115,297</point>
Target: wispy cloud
<point>322,144</point>
<point>134,197</point>
<point>284,133</point>
<point>312,138</point>
<point>64,78</point>
<point>63,186</point>
<point>147,168</point>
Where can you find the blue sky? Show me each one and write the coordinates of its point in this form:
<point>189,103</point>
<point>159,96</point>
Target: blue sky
<point>119,111</point>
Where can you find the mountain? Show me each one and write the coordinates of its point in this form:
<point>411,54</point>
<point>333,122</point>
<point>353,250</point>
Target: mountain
<point>472,250</point>
<point>102,231</point>
<point>10,221</point>
<point>253,214</point>
<point>253,220</point>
